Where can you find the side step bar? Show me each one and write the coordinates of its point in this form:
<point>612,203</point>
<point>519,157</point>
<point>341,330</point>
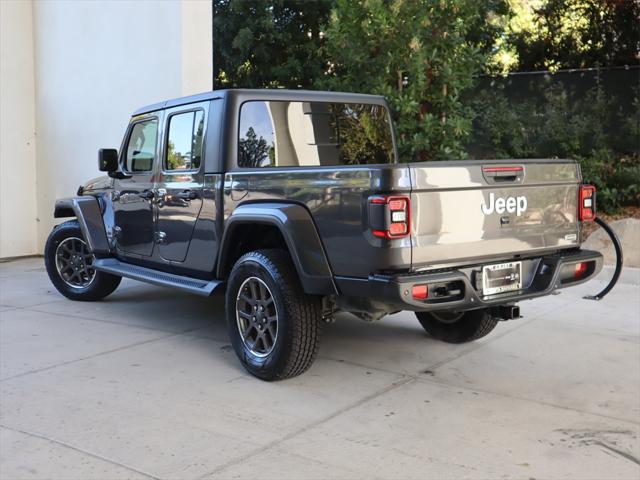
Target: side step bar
<point>204,288</point>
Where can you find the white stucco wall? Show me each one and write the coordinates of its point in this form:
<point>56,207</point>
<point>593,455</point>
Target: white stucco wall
<point>94,63</point>
<point>197,46</point>
<point>17,131</point>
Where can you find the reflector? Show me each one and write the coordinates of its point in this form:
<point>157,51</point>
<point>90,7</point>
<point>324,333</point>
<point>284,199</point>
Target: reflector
<point>420,292</point>
<point>580,270</point>
<point>397,229</point>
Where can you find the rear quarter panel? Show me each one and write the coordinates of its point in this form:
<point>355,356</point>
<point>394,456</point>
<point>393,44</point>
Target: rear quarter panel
<point>335,197</point>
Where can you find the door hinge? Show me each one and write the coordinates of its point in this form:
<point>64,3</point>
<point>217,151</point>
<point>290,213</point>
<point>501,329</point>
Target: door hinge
<point>160,237</point>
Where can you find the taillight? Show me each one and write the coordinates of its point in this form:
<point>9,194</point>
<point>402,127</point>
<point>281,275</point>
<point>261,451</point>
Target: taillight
<point>587,205</point>
<point>390,216</point>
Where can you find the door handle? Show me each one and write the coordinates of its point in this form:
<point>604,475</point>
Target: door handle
<point>147,194</point>
<point>187,195</point>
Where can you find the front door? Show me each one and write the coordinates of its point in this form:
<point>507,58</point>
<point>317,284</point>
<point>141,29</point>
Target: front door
<point>180,183</point>
<point>134,196</point>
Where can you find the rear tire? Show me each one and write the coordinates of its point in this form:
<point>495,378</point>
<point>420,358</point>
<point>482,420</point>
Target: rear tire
<point>461,328</point>
<point>273,325</point>
<point>69,265</point>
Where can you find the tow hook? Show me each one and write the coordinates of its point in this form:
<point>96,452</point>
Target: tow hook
<point>505,312</point>
<point>616,273</point>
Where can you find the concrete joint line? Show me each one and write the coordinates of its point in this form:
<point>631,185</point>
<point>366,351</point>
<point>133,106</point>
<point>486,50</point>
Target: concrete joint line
<point>102,320</point>
<point>396,384</point>
<point>79,450</point>
<point>523,399</point>
<point>621,453</point>
<point>420,378</point>
<point>107,352</point>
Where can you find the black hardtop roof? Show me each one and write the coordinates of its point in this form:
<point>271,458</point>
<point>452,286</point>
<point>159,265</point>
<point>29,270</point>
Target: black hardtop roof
<point>245,94</point>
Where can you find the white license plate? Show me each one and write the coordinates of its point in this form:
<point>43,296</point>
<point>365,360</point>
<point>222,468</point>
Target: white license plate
<point>502,277</point>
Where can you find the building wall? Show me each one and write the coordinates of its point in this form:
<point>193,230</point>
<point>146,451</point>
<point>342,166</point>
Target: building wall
<point>197,46</point>
<point>17,131</point>
<point>95,63</point>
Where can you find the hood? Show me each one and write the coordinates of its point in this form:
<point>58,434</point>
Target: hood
<point>96,184</point>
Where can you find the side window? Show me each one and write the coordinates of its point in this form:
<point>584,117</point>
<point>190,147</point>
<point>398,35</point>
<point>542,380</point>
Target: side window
<point>141,150</point>
<point>307,134</point>
<point>184,142</point>
<point>256,142</point>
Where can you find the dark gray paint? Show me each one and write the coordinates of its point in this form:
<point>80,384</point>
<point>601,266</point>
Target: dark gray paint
<point>197,286</point>
<point>394,291</point>
<point>179,194</point>
<point>323,214</point>
<point>87,211</point>
<point>304,244</point>
<point>336,200</point>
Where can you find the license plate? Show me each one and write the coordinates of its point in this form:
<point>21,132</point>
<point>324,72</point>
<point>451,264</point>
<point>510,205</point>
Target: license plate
<point>502,277</point>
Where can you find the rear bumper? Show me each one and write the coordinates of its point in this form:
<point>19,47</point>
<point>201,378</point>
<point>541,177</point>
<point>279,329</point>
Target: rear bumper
<point>541,276</point>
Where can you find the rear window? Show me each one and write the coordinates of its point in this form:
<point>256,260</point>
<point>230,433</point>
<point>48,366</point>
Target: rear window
<point>292,134</point>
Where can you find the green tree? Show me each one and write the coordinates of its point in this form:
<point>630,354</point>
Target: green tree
<point>420,54</point>
<point>562,34</point>
<point>174,159</point>
<point>253,151</point>
<point>267,43</point>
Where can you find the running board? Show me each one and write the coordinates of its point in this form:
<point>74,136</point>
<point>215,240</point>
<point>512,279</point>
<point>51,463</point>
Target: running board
<point>155,277</point>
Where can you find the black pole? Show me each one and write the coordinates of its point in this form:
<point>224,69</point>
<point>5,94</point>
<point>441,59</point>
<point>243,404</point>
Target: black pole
<point>616,274</point>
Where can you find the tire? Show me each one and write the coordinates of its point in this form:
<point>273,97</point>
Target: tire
<point>89,284</point>
<point>290,348</point>
<point>457,328</point>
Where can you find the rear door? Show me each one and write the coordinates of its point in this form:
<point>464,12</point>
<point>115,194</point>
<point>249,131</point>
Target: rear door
<point>180,182</point>
<point>465,211</point>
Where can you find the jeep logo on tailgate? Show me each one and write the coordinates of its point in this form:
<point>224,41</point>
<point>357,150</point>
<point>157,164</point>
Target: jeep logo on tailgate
<point>501,205</point>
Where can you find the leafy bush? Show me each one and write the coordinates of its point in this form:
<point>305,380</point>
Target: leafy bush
<point>616,178</point>
<point>553,119</point>
<point>421,55</point>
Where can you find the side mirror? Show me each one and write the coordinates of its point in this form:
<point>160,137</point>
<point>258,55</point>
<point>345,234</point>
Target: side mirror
<point>107,160</point>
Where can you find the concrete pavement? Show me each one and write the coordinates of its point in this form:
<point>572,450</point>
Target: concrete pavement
<point>145,385</point>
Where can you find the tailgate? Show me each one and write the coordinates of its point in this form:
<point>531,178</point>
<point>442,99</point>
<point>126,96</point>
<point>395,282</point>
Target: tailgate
<point>470,211</point>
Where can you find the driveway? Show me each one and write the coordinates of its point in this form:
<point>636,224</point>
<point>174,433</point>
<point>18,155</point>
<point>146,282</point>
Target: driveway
<point>146,385</point>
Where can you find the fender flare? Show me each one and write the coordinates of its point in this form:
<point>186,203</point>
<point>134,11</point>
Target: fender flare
<point>87,210</point>
<point>299,232</point>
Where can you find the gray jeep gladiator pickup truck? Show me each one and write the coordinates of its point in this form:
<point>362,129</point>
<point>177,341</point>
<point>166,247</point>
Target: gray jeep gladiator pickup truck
<point>295,205</point>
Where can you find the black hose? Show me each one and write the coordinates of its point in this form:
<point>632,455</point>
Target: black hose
<point>616,274</point>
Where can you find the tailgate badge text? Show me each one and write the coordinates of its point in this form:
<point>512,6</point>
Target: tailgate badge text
<point>501,205</point>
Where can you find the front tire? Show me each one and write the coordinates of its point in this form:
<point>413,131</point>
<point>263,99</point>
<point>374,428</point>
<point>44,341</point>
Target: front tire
<point>459,327</point>
<point>69,265</point>
<point>273,325</point>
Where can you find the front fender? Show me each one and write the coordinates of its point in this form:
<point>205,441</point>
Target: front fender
<point>300,234</point>
<point>87,211</point>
